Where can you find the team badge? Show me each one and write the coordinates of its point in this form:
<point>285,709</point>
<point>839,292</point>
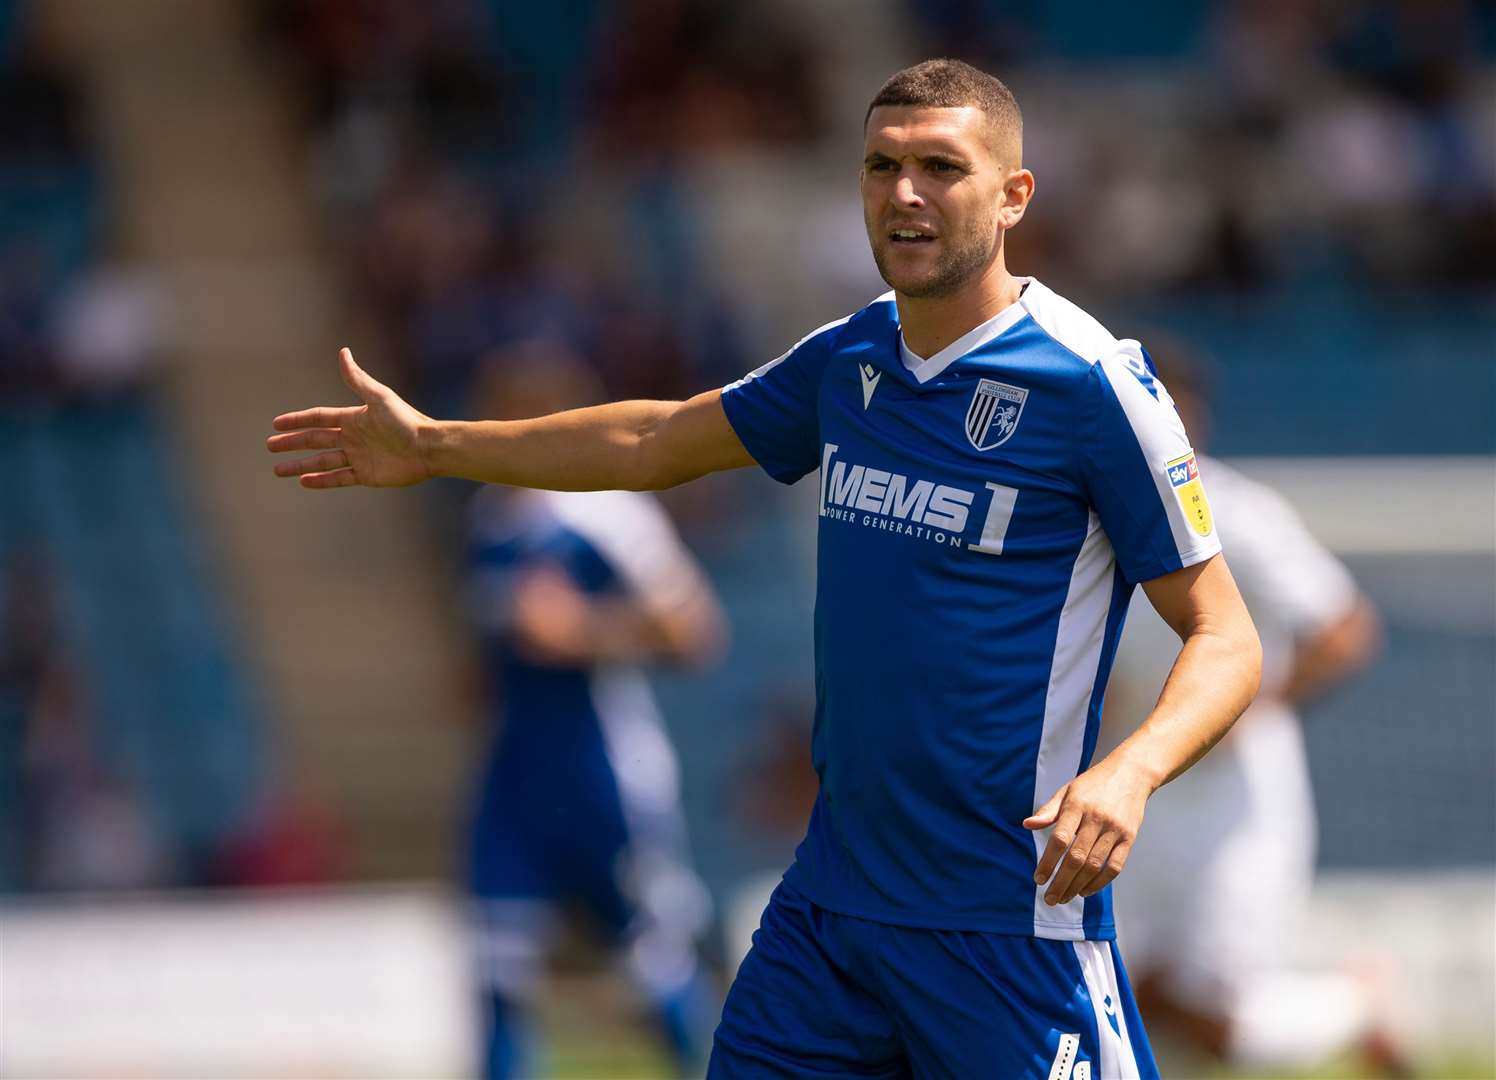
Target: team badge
<point>1184,478</point>
<point>993,414</point>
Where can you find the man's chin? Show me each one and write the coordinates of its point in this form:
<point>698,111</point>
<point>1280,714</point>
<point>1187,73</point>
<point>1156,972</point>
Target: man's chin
<point>920,286</point>
<point>903,280</point>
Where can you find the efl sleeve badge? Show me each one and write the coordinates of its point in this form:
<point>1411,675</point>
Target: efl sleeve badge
<point>1184,478</point>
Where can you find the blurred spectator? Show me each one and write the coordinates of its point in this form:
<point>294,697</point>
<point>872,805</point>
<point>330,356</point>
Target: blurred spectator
<point>682,77</point>
<point>129,746</point>
<point>111,328</point>
<point>456,211</point>
<point>70,821</point>
<point>48,212</point>
<point>1354,137</point>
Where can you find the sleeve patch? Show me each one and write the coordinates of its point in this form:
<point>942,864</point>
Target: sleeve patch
<point>1184,478</point>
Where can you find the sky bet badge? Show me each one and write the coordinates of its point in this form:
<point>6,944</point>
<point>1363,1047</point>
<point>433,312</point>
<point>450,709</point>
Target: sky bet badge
<point>1184,477</point>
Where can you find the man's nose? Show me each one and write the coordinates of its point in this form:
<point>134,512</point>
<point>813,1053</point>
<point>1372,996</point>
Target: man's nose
<point>904,193</point>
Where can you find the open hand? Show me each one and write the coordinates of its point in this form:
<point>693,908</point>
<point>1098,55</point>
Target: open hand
<point>376,444</point>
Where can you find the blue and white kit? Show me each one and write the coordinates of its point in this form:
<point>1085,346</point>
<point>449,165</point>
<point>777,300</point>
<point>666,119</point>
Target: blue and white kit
<point>579,797</point>
<point>985,514</point>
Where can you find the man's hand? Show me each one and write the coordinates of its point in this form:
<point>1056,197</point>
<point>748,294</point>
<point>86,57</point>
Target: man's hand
<point>1096,818</point>
<point>552,620</point>
<point>374,444</point>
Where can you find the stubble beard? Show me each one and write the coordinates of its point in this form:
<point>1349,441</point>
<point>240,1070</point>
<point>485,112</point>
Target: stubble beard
<point>959,265</point>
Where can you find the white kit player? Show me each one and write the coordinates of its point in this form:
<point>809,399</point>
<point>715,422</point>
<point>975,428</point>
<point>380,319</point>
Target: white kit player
<point>1218,879</point>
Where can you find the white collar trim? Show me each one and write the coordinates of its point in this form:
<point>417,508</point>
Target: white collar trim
<point>924,369</point>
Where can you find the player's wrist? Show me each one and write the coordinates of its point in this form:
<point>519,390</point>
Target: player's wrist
<point>435,446</point>
<point>1145,765</point>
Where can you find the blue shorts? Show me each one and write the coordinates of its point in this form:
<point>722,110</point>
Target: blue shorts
<point>554,830</point>
<point>828,995</point>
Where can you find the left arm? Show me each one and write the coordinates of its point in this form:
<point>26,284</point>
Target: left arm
<point>555,623</point>
<point>1096,816</point>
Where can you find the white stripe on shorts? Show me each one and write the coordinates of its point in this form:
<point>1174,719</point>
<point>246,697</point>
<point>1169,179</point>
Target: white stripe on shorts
<point>1117,1061</point>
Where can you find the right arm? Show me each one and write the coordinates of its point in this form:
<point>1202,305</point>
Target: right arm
<point>627,445</point>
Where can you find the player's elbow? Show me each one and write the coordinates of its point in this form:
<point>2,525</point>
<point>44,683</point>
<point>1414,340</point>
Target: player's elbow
<point>1247,648</point>
<point>656,472</point>
<point>1354,641</point>
<point>692,635</point>
<point>653,464</point>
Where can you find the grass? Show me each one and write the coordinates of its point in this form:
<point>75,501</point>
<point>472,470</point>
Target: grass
<point>592,1030</point>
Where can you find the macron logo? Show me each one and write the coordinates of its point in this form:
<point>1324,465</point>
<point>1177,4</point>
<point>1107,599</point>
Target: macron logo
<point>870,376</point>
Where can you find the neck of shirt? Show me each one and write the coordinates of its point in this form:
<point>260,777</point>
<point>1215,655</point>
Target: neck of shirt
<point>925,368</point>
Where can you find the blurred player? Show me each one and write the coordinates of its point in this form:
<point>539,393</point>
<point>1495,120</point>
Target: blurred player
<point>1218,879</point>
<point>997,475</point>
<point>578,802</point>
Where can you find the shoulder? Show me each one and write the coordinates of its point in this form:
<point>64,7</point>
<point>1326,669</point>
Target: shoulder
<point>818,346</point>
<point>632,534</point>
<point>609,519</point>
<point>1097,353</point>
<point>1068,325</point>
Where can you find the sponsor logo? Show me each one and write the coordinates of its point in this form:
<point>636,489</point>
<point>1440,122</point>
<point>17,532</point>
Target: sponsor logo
<point>893,502</point>
<point>1184,478</point>
<point>870,376</point>
<point>993,414</point>
<point>1182,472</point>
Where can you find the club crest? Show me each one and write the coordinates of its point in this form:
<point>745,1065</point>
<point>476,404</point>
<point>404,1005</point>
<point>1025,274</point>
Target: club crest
<point>993,414</point>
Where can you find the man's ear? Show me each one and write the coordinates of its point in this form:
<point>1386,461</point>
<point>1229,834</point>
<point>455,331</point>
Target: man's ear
<point>1017,192</point>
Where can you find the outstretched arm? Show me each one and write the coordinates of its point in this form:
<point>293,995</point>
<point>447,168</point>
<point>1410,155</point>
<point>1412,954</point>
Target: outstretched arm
<point>1096,816</point>
<point>628,445</point>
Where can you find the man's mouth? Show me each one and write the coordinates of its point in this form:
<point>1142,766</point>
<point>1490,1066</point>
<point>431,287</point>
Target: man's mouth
<point>910,236</point>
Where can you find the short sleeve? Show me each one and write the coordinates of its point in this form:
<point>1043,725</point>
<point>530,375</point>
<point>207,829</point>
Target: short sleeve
<point>773,409</point>
<point>634,536</point>
<point>1140,471</point>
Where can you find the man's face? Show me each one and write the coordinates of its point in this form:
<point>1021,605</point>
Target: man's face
<point>934,194</point>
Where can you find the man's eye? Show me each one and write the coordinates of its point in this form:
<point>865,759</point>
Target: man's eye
<point>942,166</point>
<point>881,166</point>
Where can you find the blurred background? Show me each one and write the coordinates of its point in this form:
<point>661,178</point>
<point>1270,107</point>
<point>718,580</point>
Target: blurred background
<point>238,720</point>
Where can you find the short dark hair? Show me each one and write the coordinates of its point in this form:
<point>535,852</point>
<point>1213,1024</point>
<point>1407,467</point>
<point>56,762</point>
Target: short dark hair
<point>952,84</point>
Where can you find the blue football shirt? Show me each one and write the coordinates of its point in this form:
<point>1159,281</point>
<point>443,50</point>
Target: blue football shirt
<point>984,518</point>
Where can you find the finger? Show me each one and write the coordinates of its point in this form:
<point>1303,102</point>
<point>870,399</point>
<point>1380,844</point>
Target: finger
<point>1059,842</point>
<point>1044,817</point>
<point>309,439</point>
<point>359,381</point>
<point>324,416</point>
<point>1094,863</point>
<point>335,479</point>
<point>1073,863</point>
<point>333,459</point>
<point>1114,864</point>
